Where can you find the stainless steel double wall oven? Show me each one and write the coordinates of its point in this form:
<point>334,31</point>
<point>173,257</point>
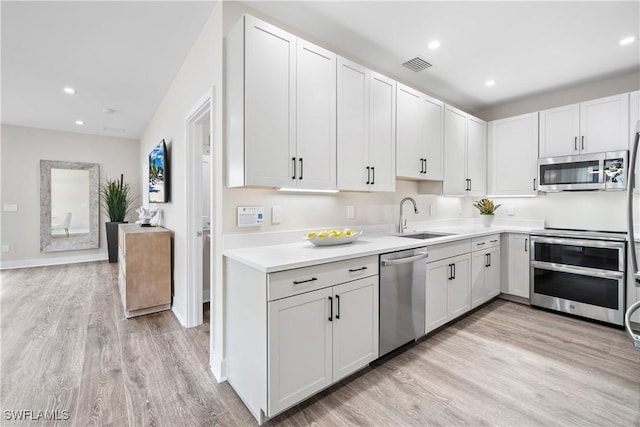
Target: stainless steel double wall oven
<point>579,272</point>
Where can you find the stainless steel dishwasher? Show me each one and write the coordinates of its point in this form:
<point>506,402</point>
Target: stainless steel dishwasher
<point>403,280</point>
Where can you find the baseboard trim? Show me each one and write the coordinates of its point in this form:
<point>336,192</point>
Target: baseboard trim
<point>44,262</point>
<point>218,368</point>
<point>182,318</point>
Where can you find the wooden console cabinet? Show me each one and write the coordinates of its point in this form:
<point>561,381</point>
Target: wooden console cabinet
<point>144,258</point>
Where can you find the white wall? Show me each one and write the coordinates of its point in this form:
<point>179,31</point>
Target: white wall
<point>570,95</point>
<point>22,148</point>
<point>201,71</point>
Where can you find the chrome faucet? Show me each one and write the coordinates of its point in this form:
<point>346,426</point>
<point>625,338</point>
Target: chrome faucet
<point>402,224</point>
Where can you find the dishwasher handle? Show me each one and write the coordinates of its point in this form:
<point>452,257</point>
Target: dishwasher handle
<point>414,258</point>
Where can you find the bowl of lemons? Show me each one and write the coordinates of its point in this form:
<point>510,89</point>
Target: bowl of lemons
<point>332,237</point>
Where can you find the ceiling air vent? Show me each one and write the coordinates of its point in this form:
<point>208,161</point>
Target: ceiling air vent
<point>417,64</point>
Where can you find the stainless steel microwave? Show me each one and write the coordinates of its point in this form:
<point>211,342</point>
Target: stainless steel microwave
<point>583,172</point>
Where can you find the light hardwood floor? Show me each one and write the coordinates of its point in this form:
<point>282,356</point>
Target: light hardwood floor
<point>66,346</point>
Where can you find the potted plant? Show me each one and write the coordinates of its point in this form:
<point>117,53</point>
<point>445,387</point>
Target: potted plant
<point>487,211</point>
<point>116,201</point>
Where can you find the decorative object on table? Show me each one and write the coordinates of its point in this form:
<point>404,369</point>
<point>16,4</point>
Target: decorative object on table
<point>487,211</point>
<point>156,220</point>
<point>332,237</point>
<point>145,215</point>
<point>159,174</point>
<point>116,201</point>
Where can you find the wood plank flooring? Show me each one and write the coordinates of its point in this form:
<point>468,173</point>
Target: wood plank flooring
<point>65,346</point>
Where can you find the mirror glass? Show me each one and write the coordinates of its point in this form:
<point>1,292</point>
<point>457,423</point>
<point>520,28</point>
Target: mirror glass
<point>69,206</point>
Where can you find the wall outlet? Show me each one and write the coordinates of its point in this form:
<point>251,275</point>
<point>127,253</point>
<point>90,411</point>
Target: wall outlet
<point>276,214</point>
<point>511,211</point>
<point>6,248</point>
<point>351,212</point>
<point>10,208</point>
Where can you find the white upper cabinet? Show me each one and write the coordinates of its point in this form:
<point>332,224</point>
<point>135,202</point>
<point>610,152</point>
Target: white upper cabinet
<point>419,135</point>
<point>280,109</point>
<point>513,156</point>
<point>476,156</point>
<point>589,127</point>
<point>315,149</point>
<point>465,148</point>
<point>366,129</point>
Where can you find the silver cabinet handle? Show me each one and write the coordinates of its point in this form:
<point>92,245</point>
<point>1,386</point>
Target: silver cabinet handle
<point>418,257</point>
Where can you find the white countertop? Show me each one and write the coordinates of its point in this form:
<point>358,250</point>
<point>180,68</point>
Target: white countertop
<point>278,257</point>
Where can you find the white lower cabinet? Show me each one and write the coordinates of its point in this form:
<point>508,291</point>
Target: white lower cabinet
<point>320,337</point>
<point>448,284</point>
<point>516,265</point>
<point>485,270</point>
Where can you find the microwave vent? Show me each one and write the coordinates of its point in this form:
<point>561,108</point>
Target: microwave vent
<point>417,64</point>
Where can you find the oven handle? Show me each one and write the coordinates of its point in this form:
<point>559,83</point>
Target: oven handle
<point>578,242</point>
<point>583,271</point>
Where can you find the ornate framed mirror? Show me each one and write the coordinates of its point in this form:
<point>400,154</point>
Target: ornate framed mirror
<point>69,206</point>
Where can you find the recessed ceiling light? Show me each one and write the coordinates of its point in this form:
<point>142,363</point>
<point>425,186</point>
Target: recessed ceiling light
<point>490,82</point>
<point>434,44</point>
<point>70,90</point>
<point>627,40</point>
<point>79,122</point>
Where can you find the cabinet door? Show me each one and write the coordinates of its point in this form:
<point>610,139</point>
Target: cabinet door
<point>382,134</point>
<point>634,116</point>
<point>269,104</point>
<point>604,124</point>
<point>455,146</point>
<point>355,326</point>
<point>560,131</point>
<point>300,347</point>
<point>409,122</point>
<point>315,117</point>
<point>438,274</point>
<point>492,274</point>
<point>518,265</point>
<point>353,126</point>
<point>479,261</point>
<point>432,149</point>
<point>513,156</point>
<point>477,156</point>
<point>458,301</point>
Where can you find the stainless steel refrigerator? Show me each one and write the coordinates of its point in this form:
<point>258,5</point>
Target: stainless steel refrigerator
<point>631,236</point>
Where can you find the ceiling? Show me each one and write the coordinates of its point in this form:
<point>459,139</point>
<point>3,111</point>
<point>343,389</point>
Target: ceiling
<point>527,47</point>
<point>121,56</point>
<point>124,55</point>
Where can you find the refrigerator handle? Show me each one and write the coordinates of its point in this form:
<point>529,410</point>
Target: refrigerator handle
<point>630,230</point>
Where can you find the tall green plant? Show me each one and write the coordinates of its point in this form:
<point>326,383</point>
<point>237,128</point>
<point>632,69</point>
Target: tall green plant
<point>116,198</point>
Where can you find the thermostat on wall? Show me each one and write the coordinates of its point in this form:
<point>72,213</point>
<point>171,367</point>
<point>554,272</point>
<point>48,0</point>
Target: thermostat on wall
<point>250,216</point>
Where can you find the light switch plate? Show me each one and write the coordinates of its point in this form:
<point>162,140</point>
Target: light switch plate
<point>511,211</point>
<point>6,248</point>
<point>10,208</point>
<point>351,212</point>
<point>276,214</point>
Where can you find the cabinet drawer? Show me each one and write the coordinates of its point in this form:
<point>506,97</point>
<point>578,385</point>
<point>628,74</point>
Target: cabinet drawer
<point>447,250</point>
<point>292,282</point>
<point>484,242</point>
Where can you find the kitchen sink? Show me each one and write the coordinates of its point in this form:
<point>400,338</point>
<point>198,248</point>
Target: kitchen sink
<point>424,236</point>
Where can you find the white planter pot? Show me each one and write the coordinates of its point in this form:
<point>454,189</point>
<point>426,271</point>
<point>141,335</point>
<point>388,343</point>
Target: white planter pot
<point>487,220</point>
